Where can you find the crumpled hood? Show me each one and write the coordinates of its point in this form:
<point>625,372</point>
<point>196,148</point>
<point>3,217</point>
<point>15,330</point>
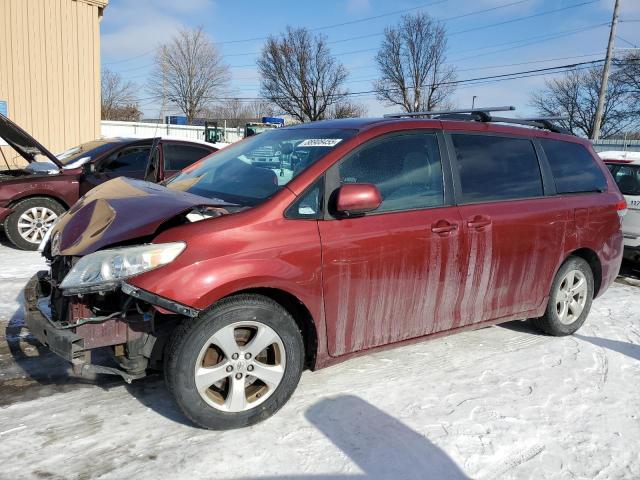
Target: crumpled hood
<point>119,210</point>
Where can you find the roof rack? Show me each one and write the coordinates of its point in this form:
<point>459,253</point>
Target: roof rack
<point>484,115</point>
<point>431,113</point>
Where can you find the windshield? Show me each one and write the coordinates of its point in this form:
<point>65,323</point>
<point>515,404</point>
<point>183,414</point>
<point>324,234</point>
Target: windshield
<point>253,170</point>
<point>627,177</point>
<point>89,149</point>
<point>256,129</point>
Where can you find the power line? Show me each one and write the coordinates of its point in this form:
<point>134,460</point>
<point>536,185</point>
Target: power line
<point>527,44</point>
<point>468,14</point>
<point>326,27</point>
<point>544,37</point>
<point>505,22</point>
<point>504,76</point>
<point>626,41</point>
<point>514,20</point>
<point>362,80</point>
<point>448,19</point>
<point>131,58</point>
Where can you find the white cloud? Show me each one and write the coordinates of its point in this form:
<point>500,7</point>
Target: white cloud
<point>357,6</point>
<point>133,28</point>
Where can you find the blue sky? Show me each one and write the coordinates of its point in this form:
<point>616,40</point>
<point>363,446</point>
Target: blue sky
<point>486,37</point>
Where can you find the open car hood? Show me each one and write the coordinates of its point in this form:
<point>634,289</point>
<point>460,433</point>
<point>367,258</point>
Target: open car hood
<point>23,143</point>
<point>119,210</point>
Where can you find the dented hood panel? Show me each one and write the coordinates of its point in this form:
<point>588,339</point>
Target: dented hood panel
<point>119,210</point>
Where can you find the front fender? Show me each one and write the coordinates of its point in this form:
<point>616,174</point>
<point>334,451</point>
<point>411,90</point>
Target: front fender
<point>201,284</point>
<point>281,254</point>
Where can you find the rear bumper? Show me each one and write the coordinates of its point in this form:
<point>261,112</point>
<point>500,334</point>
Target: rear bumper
<point>62,342</point>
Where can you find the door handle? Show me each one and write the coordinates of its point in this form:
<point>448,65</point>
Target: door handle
<point>442,227</point>
<point>478,222</point>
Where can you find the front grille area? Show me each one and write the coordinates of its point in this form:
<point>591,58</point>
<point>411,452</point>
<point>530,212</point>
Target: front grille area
<point>60,266</point>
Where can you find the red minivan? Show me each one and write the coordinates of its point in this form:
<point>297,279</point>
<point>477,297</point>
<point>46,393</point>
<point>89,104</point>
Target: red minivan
<point>304,246</point>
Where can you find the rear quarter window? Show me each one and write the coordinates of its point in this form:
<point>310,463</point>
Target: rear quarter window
<point>178,157</point>
<point>574,168</point>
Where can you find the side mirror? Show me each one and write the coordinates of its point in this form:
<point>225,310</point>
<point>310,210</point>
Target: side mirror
<point>89,168</point>
<point>357,198</point>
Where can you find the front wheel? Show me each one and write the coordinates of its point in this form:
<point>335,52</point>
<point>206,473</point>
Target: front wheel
<point>569,300</point>
<point>30,220</point>
<point>237,365</point>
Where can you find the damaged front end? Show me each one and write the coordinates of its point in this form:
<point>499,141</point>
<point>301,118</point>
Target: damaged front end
<point>84,302</point>
<point>133,324</point>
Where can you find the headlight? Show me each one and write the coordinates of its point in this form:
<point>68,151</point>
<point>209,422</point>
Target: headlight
<point>105,269</point>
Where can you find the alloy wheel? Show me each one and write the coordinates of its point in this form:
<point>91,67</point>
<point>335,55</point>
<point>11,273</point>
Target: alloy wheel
<point>571,297</point>
<point>240,366</point>
<point>34,223</point>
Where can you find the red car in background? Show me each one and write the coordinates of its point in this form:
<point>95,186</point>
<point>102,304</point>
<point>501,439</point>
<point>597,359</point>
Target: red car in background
<point>355,235</point>
<point>32,198</point>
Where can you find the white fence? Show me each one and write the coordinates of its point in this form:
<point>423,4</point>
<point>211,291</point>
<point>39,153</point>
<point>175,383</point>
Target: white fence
<point>110,128</point>
<point>624,145</point>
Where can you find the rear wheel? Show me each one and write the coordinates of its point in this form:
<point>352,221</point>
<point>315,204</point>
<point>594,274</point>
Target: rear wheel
<point>30,221</point>
<point>237,365</point>
<point>569,300</point>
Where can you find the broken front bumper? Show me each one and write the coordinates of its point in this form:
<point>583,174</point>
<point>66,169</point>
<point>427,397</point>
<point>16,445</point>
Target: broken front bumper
<point>63,342</point>
<point>74,339</point>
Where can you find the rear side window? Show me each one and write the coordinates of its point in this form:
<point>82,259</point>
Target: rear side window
<point>406,169</point>
<point>496,168</point>
<point>574,168</point>
<point>177,157</point>
<point>128,160</point>
<point>627,178</point>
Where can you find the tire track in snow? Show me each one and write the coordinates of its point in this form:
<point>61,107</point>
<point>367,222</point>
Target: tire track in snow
<point>511,461</point>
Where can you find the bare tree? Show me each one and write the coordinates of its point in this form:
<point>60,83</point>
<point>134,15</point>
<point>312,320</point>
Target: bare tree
<point>300,75</point>
<point>235,109</point>
<point>575,96</point>
<point>628,71</point>
<point>118,100</point>
<point>411,63</point>
<point>189,72</point>
<point>261,108</point>
<point>346,109</point>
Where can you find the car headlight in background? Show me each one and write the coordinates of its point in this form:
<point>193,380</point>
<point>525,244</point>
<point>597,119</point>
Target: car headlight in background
<point>105,269</point>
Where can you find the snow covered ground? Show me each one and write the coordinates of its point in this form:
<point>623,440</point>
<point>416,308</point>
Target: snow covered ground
<point>501,402</point>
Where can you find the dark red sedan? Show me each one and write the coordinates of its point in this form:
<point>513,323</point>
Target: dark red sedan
<point>304,246</point>
<point>32,198</point>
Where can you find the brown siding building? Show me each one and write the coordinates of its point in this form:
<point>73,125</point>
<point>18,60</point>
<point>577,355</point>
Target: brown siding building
<point>50,70</point>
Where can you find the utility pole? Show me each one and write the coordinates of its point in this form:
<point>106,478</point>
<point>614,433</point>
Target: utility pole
<point>605,72</point>
<point>473,101</point>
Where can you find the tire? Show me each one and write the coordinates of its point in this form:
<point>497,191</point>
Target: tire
<point>206,344</point>
<point>564,315</point>
<point>40,212</point>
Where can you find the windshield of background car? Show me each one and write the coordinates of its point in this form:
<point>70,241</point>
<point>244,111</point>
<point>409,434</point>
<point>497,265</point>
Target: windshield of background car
<point>89,149</point>
<point>253,170</point>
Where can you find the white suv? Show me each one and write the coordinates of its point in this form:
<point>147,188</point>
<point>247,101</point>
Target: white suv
<point>625,168</point>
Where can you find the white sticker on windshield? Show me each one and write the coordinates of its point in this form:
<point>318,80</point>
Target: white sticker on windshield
<point>320,142</point>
